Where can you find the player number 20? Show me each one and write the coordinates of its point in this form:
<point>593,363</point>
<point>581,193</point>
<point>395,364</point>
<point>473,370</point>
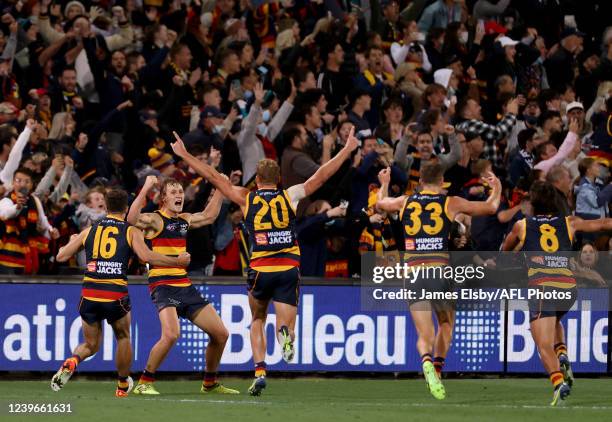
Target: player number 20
<point>280,219</point>
<point>435,213</point>
<point>105,245</point>
<point>548,238</point>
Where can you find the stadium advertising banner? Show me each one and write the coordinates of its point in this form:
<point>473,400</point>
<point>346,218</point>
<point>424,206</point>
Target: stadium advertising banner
<point>40,326</point>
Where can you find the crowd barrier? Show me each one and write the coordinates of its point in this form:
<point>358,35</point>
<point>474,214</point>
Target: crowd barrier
<point>40,325</point>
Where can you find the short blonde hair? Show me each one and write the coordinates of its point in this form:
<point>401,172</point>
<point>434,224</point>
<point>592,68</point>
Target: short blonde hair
<point>268,171</point>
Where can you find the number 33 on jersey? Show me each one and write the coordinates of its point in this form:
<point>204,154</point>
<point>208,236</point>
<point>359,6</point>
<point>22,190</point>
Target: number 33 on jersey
<point>425,221</point>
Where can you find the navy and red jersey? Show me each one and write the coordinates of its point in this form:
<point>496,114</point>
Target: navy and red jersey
<point>170,241</point>
<point>108,250</point>
<point>270,222</point>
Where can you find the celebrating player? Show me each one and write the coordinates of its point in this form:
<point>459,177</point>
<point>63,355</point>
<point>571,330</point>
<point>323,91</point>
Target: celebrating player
<point>427,217</point>
<point>274,263</point>
<point>543,238</point>
<point>108,244</point>
<point>171,290</point>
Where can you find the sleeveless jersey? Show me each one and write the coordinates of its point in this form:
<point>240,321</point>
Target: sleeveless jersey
<point>547,243</point>
<point>270,222</point>
<point>108,251</point>
<point>170,241</point>
<point>426,228</point>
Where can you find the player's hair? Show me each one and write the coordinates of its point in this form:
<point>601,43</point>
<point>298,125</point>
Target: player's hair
<point>164,186</point>
<point>431,174</point>
<point>116,200</point>
<point>542,196</point>
<point>268,172</point>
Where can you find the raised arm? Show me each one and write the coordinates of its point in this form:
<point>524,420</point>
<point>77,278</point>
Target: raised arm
<point>564,150</point>
<point>73,246</point>
<point>147,255</point>
<point>141,200</point>
<point>210,213</point>
<point>328,169</point>
<point>513,241</point>
<point>235,194</point>
<point>577,224</point>
<point>458,205</point>
<point>14,158</point>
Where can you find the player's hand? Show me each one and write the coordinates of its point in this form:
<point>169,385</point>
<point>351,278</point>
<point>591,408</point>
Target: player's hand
<point>384,176</point>
<point>178,147</point>
<point>184,259</point>
<point>492,181</point>
<point>54,233</point>
<point>149,183</point>
<point>377,218</point>
<point>352,143</point>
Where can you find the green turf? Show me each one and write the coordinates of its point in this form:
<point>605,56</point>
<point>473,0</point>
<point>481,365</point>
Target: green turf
<point>322,400</point>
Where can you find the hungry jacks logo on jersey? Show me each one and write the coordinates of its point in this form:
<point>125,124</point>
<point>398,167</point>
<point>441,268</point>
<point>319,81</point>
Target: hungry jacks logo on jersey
<point>261,239</point>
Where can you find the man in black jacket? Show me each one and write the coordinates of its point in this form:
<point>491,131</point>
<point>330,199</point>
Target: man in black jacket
<point>561,65</point>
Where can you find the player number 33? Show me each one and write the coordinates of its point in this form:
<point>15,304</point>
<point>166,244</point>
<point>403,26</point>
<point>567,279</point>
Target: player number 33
<point>435,213</point>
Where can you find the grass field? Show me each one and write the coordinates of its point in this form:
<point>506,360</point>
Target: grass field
<point>322,400</point>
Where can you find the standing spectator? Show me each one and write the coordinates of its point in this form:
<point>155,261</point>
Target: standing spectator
<point>440,14</point>
<point>376,82</point>
<point>561,65</point>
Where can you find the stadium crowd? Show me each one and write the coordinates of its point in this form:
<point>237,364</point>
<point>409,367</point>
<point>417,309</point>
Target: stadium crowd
<point>92,90</point>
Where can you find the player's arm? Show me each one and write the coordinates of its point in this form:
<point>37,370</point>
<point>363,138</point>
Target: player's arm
<point>513,240</point>
<point>577,224</point>
<point>73,246</point>
<point>390,205</point>
<point>141,200</point>
<point>209,214</point>
<point>458,205</point>
<point>328,169</point>
<point>236,194</point>
<point>147,255</point>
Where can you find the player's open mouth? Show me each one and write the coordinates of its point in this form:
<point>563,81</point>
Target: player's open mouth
<point>178,202</point>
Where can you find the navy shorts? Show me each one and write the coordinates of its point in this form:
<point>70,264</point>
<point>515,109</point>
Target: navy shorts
<point>186,300</point>
<point>92,311</point>
<point>547,308</point>
<point>280,286</point>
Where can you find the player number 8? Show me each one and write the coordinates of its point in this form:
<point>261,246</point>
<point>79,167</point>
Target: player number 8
<point>548,238</point>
